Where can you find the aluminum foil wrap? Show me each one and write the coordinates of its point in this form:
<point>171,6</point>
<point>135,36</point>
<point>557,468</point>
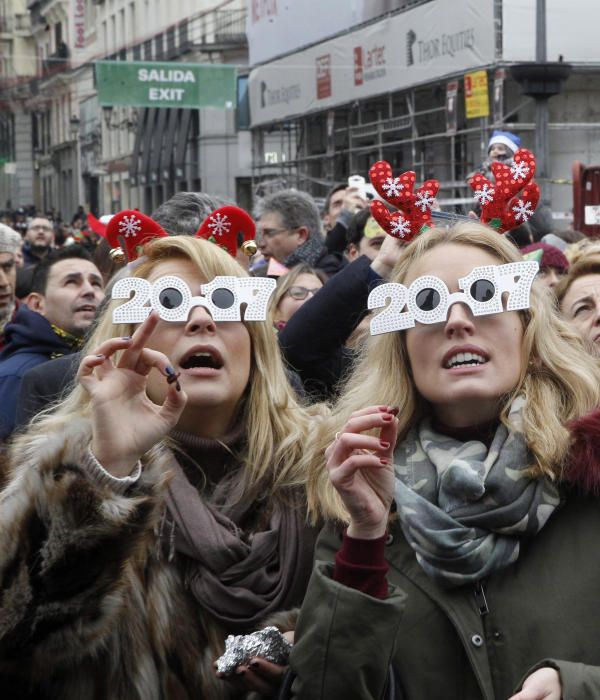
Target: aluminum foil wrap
<point>267,643</point>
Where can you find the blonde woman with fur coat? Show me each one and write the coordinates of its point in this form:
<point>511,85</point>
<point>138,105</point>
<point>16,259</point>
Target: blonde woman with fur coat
<point>150,515</point>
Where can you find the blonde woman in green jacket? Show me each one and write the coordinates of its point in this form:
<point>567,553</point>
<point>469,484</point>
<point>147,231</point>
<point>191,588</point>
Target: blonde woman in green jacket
<point>460,559</point>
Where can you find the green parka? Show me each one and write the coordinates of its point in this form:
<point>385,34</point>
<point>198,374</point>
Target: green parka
<point>469,643</point>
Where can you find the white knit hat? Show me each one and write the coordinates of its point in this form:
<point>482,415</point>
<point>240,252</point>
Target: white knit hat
<point>10,240</point>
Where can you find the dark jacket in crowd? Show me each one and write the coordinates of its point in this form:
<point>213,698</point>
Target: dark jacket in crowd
<point>32,254</point>
<point>330,263</point>
<point>30,341</point>
<point>313,340</point>
<point>45,384</point>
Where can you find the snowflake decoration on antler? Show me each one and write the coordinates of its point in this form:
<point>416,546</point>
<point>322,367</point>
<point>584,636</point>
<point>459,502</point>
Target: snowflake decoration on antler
<point>219,225</point>
<point>523,210</point>
<point>392,187</point>
<point>424,200</point>
<point>130,226</point>
<point>519,171</point>
<point>400,227</point>
<point>485,195</point>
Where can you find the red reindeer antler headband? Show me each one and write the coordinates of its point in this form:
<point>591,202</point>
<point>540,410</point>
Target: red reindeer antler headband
<point>414,208</point>
<point>223,227</point>
<point>505,204</point>
<point>512,199</point>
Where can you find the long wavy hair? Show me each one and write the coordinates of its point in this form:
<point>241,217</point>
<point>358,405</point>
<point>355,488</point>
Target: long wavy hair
<point>276,426</point>
<point>559,379</point>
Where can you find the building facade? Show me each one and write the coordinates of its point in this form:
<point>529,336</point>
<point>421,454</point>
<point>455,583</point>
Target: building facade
<point>403,87</point>
<point>69,151</point>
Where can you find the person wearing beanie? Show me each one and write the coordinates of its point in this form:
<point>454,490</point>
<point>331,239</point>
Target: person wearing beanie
<point>553,262</point>
<point>502,146</point>
<point>10,245</point>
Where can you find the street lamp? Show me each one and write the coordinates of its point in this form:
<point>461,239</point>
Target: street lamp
<point>541,79</point>
<point>74,128</point>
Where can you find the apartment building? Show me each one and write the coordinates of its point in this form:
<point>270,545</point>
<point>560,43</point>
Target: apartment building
<point>76,151</point>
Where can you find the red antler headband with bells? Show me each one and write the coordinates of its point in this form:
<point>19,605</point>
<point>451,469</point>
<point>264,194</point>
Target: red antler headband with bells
<point>505,204</point>
<point>512,199</point>
<point>223,226</point>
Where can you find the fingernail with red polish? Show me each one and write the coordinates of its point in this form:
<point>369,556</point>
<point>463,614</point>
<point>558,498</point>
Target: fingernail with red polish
<point>388,418</point>
<point>385,462</point>
<point>395,410</point>
<point>384,444</point>
<point>101,357</point>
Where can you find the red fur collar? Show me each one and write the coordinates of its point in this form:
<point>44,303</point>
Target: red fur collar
<point>583,471</point>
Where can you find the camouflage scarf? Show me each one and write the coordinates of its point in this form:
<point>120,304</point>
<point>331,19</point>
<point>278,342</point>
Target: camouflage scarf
<point>465,508</point>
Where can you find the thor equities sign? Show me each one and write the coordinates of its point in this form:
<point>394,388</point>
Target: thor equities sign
<point>139,84</point>
<point>430,41</point>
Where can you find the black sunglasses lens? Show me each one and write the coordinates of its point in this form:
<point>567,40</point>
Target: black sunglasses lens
<point>482,290</point>
<point>428,299</point>
<point>223,298</point>
<point>170,298</point>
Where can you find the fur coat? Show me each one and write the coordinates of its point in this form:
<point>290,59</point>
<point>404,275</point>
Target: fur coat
<point>90,607</point>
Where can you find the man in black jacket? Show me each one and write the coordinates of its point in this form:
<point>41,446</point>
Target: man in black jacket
<point>67,291</point>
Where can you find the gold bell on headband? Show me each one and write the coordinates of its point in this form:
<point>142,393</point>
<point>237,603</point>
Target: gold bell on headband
<point>249,248</point>
<point>117,254</point>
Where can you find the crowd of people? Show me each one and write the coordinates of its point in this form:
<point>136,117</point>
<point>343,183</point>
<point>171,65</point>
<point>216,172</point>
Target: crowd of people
<point>411,502</point>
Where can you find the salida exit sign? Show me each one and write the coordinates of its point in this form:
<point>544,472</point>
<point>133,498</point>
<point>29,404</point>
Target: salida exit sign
<point>140,84</point>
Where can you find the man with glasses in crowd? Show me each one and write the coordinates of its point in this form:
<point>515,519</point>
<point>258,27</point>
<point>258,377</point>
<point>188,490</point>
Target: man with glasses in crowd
<point>39,240</point>
<point>288,231</point>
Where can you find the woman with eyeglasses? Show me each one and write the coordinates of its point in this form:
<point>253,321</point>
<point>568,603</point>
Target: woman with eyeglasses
<point>461,489</point>
<point>161,506</point>
<point>293,289</point>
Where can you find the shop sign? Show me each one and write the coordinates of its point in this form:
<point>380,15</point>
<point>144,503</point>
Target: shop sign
<point>477,100</point>
<point>433,41</point>
<point>183,85</point>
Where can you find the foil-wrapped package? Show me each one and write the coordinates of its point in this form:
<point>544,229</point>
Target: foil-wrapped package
<point>267,643</point>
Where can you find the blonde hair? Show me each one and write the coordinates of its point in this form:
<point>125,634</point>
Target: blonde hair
<point>559,380</point>
<point>276,426</point>
<point>285,282</point>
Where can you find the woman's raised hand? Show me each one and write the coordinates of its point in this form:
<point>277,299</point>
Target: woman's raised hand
<point>125,422</point>
<point>361,469</point>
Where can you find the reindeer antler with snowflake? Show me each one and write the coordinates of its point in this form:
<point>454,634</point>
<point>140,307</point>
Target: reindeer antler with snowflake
<point>512,199</point>
<point>227,227</point>
<point>414,208</point>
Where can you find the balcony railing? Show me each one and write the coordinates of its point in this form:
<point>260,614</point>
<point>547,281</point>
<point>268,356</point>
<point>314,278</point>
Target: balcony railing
<point>230,26</point>
<point>56,62</point>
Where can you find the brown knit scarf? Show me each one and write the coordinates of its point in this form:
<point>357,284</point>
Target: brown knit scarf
<point>244,558</point>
